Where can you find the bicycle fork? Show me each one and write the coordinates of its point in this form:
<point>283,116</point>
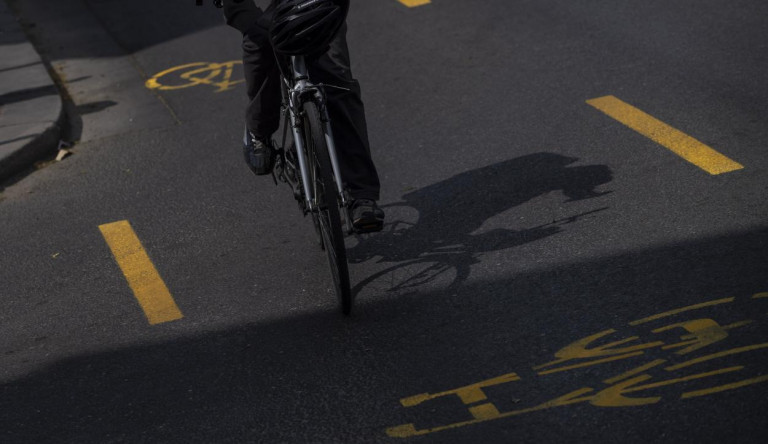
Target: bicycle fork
<point>294,97</point>
<point>298,140</point>
<point>346,206</point>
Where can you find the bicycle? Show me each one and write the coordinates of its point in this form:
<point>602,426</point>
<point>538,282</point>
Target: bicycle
<point>309,165</point>
<point>308,162</point>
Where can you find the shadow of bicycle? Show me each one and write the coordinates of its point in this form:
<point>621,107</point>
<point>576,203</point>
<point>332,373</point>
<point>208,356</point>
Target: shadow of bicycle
<point>435,234</point>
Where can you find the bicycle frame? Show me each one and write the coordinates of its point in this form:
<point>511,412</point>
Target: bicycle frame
<point>298,89</point>
<point>313,161</point>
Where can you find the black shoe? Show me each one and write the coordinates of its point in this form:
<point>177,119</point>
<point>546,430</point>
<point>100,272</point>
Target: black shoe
<point>367,217</point>
<point>259,154</point>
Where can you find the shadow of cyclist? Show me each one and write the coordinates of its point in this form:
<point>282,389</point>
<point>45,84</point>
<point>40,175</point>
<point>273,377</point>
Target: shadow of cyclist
<point>441,222</point>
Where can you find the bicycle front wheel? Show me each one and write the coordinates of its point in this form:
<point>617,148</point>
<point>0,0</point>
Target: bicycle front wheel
<point>327,199</point>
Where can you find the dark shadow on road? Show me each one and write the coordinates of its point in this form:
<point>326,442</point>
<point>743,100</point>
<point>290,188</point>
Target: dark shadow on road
<point>11,68</point>
<point>28,94</point>
<point>93,107</point>
<point>16,139</point>
<point>450,213</point>
<point>321,377</point>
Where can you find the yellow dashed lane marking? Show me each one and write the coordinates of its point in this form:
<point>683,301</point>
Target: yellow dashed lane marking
<point>678,142</point>
<point>414,3</point>
<point>147,285</point>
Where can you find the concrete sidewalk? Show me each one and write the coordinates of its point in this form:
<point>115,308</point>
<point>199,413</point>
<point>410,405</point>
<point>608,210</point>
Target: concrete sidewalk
<point>31,108</point>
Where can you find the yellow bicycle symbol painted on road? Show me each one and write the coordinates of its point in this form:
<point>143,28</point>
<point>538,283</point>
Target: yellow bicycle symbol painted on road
<point>695,344</point>
<point>217,75</point>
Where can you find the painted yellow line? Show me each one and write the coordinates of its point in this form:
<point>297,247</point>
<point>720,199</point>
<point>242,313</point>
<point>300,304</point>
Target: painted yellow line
<point>760,295</point>
<point>681,310</point>
<point>733,351</point>
<point>635,371</point>
<point>147,285</point>
<point>678,142</point>
<point>722,371</point>
<point>725,387</point>
<point>590,363</point>
<point>415,3</point>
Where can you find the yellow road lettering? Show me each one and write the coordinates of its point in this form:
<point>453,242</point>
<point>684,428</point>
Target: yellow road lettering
<point>590,363</point>
<point>635,371</point>
<point>703,332</point>
<point>618,391</point>
<point>485,411</point>
<point>613,396</point>
<point>580,350</point>
<point>468,394</point>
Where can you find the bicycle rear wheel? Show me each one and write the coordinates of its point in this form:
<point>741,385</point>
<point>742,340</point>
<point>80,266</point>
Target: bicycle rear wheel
<point>327,198</point>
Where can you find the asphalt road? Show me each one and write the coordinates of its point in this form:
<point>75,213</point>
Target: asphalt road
<point>547,272</point>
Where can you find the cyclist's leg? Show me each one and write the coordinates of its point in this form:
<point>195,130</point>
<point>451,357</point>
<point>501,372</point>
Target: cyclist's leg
<point>262,78</point>
<point>347,119</point>
<point>262,115</point>
<point>261,73</point>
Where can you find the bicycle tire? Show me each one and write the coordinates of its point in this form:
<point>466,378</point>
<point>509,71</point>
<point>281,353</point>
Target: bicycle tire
<point>318,233</point>
<point>327,198</point>
<point>290,153</point>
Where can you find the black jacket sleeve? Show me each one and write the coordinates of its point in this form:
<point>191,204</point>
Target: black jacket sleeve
<point>242,15</point>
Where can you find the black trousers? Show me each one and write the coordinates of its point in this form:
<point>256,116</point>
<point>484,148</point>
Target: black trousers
<point>344,106</point>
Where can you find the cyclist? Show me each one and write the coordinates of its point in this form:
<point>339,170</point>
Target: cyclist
<point>332,67</point>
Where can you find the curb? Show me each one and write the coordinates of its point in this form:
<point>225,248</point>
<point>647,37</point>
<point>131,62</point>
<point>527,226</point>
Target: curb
<point>31,107</point>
